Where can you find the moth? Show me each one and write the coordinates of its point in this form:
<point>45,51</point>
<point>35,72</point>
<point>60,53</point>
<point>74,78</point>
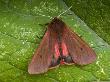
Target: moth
<point>60,45</point>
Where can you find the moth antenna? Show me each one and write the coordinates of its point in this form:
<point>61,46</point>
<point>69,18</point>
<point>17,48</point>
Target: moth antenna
<point>64,11</point>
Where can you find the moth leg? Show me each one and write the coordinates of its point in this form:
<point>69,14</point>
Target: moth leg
<point>43,25</point>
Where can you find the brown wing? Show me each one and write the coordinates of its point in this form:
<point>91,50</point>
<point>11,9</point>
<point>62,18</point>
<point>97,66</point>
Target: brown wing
<point>43,56</point>
<point>78,49</point>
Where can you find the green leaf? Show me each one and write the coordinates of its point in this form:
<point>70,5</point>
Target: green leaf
<point>96,14</point>
<point>21,26</point>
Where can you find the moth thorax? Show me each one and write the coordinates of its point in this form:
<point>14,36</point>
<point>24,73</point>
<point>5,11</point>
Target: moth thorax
<point>57,25</point>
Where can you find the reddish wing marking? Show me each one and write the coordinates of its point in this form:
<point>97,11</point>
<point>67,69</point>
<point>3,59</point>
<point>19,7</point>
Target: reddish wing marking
<point>57,52</point>
<point>64,49</point>
<point>66,57</point>
<point>79,50</point>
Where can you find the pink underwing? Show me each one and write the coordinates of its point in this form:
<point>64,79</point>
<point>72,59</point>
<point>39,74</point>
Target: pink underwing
<point>60,45</point>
